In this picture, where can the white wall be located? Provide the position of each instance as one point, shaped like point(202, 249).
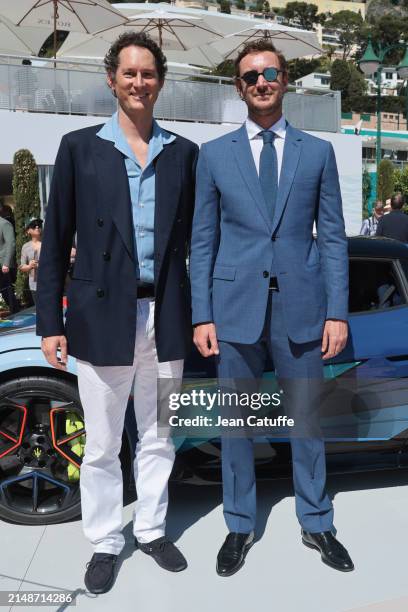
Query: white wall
point(41, 134)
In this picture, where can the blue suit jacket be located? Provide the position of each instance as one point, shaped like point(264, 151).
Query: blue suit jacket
point(234, 240)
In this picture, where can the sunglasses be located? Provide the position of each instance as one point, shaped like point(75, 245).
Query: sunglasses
point(269, 74)
point(35, 226)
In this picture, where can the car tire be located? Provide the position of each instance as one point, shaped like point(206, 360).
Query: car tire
point(32, 411)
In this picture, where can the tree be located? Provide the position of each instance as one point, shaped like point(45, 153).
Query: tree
point(385, 180)
point(240, 4)
point(385, 30)
point(300, 67)
point(340, 76)
point(258, 7)
point(401, 181)
point(27, 205)
point(225, 6)
point(303, 13)
point(347, 24)
point(356, 89)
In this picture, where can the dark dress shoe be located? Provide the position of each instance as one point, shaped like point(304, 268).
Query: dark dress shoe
point(100, 573)
point(233, 552)
point(165, 553)
point(332, 552)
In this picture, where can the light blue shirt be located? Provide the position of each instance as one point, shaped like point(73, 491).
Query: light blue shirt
point(142, 190)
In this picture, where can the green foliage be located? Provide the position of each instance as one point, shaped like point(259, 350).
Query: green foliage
point(340, 76)
point(302, 12)
point(366, 185)
point(240, 4)
point(356, 89)
point(47, 49)
point(27, 205)
point(401, 181)
point(348, 25)
point(385, 30)
point(300, 67)
point(225, 6)
point(385, 180)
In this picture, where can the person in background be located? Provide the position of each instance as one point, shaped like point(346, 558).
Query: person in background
point(369, 227)
point(395, 224)
point(7, 213)
point(30, 253)
point(26, 85)
point(7, 263)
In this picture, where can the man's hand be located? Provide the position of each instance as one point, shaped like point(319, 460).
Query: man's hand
point(5, 269)
point(334, 338)
point(205, 339)
point(33, 264)
point(49, 347)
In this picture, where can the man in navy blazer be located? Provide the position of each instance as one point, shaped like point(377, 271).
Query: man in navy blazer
point(395, 224)
point(262, 284)
point(126, 189)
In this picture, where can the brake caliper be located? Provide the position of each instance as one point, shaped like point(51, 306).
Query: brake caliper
point(73, 424)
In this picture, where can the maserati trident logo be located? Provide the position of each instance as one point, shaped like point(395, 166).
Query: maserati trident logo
point(37, 452)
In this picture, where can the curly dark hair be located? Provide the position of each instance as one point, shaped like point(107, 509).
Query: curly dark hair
point(257, 46)
point(139, 39)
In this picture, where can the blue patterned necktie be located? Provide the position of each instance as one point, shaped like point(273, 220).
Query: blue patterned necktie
point(268, 171)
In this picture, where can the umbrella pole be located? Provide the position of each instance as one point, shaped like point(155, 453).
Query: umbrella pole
point(160, 35)
point(55, 30)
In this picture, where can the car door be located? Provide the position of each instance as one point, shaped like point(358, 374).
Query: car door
point(370, 398)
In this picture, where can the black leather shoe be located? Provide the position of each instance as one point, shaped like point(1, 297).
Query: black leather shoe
point(332, 552)
point(100, 573)
point(233, 552)
point(165, 553)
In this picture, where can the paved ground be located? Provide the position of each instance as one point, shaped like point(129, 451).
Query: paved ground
point(280, 574)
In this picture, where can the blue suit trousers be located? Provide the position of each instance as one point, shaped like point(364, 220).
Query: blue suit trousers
point(246, 361)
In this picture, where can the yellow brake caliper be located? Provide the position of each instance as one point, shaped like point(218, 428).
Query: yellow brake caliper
point(73, 424)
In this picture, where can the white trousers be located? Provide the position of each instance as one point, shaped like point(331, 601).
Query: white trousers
point(104, 393)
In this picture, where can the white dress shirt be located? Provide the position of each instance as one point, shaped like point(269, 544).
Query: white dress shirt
point(256, 141)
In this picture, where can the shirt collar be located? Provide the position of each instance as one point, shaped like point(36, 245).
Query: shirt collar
point(112, 131)
point(253, 129)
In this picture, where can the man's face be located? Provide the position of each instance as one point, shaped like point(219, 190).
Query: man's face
point(379, 211)
point(263, 98)
point(136, 82)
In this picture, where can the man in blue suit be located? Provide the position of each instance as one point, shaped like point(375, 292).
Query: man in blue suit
point(261, 284)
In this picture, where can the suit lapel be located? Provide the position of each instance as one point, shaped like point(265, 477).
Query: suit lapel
point(114, 189)
point(290, 161)
point(167, 188)
point(245, 161)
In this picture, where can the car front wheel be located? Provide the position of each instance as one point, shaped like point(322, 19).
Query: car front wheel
point(42, 442)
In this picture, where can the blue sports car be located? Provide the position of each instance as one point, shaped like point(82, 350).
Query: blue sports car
point(42, 435)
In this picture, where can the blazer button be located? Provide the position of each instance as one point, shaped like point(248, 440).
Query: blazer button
point(100, 222)
point(175, 250)
point(181, 285)
point(106, 256)
point(265, 274)
point(273, 238)
point(100, 293)
point(179, 220)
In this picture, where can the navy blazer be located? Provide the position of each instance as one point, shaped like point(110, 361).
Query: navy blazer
point(234, 241)
point(394, 225)
point(90, 196)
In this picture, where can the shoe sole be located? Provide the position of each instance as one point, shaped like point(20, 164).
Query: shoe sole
point(103, 590)
point(235, 570)
point(332, 565)
point(169, 569)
